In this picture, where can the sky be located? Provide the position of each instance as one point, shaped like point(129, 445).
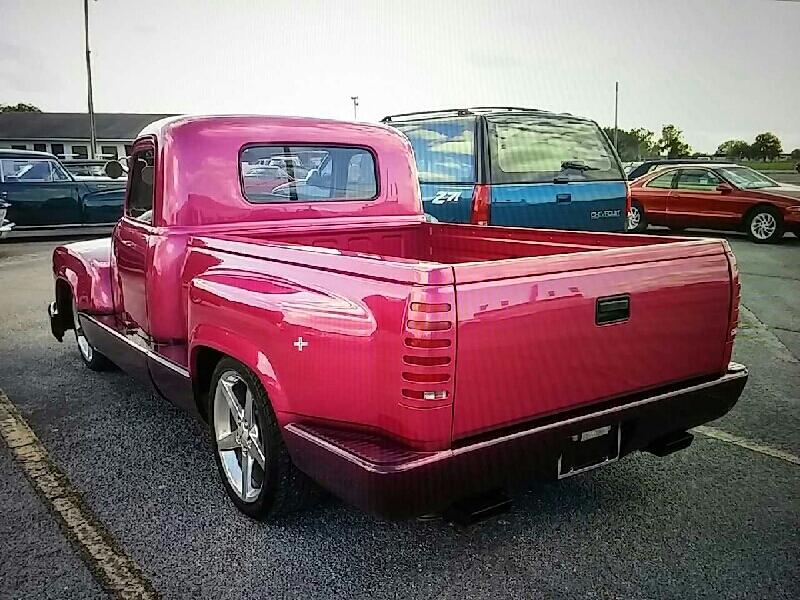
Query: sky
point(718, 69)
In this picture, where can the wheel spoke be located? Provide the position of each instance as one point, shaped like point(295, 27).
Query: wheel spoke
point(230, 398)
point(248, 408)
point(257, 452)
point(228, 442)
point(247, 469)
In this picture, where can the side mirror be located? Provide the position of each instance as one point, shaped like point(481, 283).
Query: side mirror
point(725, 188)
point(113, 169)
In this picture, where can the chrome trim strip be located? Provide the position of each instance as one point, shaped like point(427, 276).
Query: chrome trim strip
point(65, 226)
point(149, 353)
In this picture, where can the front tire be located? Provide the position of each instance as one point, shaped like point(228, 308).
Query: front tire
point(253, 462)
point(89, 354)
point(764, 225)
point(637, 219)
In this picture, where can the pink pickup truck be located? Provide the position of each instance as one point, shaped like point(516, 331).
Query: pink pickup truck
point(328, 333)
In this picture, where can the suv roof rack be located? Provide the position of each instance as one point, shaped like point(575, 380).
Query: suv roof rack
point(464, 112)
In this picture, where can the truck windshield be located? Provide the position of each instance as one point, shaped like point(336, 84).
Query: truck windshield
point(444, 149)
point(530, 148)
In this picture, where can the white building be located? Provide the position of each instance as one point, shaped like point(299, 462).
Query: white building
point(67, 134)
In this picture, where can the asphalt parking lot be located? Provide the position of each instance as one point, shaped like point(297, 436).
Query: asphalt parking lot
point(718, 520)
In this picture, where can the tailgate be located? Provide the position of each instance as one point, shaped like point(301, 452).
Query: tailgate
point(530, 345)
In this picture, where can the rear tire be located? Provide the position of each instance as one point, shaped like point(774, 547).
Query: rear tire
point(637, 219)
point(89, 354)
point(251, 456)
point(764, 225)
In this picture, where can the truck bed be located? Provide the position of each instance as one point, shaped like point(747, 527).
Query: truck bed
point(524, 334)
point(454, 244)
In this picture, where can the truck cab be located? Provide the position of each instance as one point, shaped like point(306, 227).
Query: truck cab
point(516, 167)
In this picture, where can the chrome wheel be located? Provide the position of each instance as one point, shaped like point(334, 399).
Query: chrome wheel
point(238, 436)
point(763, 226)
point(634, 218)
point(84, 346)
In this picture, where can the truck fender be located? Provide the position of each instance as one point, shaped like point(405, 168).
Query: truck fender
point(86, 268)
point(222, 341)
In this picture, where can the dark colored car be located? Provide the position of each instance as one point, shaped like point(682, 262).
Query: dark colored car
point(516, 167)
point(42, 195)
point(716, 196)
point(650, 165)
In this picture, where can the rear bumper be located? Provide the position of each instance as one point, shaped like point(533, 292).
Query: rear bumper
point(380, 476)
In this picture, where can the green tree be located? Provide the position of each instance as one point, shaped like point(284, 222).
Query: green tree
point(767, 146)
point(734, 149)
point(672, 142)
point(21, 107)
point(795, 154)
point(634, 144)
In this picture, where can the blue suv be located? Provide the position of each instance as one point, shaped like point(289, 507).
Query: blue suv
point(516, 167)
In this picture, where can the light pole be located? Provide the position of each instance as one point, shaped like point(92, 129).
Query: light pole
point(355, 107)
point(616, 113)
point(92, 131)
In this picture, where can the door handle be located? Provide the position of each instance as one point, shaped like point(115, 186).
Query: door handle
point(612, 309)
point(4, 194)
point(563, 197)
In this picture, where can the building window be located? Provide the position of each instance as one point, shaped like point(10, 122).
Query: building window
point(80, 151)
point(40, 147)
point(57, 149)
point(19, 147)
point(128, 149)
point(109, 152)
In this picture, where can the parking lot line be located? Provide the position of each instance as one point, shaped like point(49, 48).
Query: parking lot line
point(117, 573)
point(736, 440)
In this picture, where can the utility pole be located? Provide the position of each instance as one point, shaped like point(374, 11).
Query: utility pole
point(355, 107)
point(616, 113)
point(92, 130)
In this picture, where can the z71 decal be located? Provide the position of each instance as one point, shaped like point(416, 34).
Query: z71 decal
point(442, 197)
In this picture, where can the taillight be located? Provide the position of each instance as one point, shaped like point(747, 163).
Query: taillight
point(480, 205)
point(428, 370)
point(736, 297)
point(627, 198)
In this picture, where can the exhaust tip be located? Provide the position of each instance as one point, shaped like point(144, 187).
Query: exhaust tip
point(477, 509)
point(671, 444)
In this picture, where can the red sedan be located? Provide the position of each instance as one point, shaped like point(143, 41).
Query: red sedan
point(715, 196)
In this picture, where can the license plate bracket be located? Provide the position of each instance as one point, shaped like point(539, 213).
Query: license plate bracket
point(590, 449)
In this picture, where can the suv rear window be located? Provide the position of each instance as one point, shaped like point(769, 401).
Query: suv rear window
point(444, 149)
point(307, 173)
point(532, 148)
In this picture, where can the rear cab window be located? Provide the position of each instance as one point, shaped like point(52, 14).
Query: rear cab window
point(444, 149)
point(300, 173)
point(530, 148)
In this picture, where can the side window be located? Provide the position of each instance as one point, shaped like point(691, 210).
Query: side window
point(307, 173)
point(701, 180)
point(140, 195)
point(662, 181)
point(23, 170)
point(444, 149)
point(58, 172)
